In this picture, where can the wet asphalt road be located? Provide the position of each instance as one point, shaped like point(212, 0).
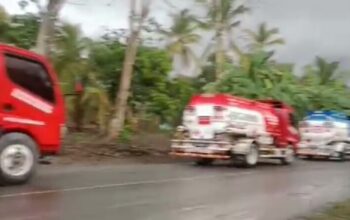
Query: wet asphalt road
point(176, 192)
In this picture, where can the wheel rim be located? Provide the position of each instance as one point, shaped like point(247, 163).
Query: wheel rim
point(252, 157)
point(289, 155)
point(16, 160)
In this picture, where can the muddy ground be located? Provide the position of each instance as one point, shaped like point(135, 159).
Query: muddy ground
point(90, 148)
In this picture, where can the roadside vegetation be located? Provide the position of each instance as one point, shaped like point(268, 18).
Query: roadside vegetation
point(340, 211)
point(130, 82)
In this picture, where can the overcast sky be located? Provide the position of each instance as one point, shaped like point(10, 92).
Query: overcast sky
point(310, 27)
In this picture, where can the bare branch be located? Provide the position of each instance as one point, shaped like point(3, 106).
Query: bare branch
point(132, 14)
point(40, 8)
point(171, 5)
point(145, 9)
point(75, 3)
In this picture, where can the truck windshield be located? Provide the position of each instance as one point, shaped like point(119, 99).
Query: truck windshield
point(239, 116)
point(316, 118)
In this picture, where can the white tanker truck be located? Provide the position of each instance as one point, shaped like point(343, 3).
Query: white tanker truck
point(325, 134)
point(224, 127)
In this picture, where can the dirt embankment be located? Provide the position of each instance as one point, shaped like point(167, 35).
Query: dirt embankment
point(90, 148)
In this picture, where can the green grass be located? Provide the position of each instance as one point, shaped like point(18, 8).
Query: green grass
point(339, 211)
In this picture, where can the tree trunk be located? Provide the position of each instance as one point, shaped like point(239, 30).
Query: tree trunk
point(219, 53)
point(78, 113)
point(118, 121)
point(47, 27)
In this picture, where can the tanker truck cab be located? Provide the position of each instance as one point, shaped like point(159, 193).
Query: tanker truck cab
point(204, 117)
point(31, 113)
point(324, 134)
point(286, 124)
point(224, 127)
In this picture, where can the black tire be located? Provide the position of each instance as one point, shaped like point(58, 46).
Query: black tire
point(26, 143)
point(238, 160)
point(310, 157)
point(204, 162)
point(254, 149)
point(287, 160)
point(342, 157)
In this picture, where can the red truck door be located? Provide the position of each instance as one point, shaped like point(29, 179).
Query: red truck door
point(289, 133)
point(293, 132)
point(30, 99)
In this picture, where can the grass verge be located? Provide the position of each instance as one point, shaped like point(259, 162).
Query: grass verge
point(339, 211)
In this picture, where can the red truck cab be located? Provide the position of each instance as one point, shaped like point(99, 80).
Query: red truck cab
point(288, 124)
point(31, 113)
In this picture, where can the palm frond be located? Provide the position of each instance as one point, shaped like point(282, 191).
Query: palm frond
point(264, 37)
point(325, 70)
point(241, 9)
point(279, 41)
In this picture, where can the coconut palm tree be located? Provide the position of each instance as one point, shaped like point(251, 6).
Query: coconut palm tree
point(325, 70)
point(49, 16)
point(181, 36)
point(3, 14)
point(137, 19)
point(222, 17)
point(73, 69)
point(4, 24)
point(69, 47)
point(264, 37)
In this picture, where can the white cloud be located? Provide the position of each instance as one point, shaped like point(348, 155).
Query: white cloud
point(310, 27)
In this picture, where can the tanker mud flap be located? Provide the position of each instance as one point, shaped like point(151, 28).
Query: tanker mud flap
point(245, 152)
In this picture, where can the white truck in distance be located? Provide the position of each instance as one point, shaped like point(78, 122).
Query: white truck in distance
point(325, 134)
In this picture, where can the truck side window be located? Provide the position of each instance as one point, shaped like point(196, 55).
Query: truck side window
point(293, 120)
point(31, 76)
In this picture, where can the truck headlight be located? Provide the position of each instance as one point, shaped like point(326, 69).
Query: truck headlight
point(181, 133)
point(180, 128)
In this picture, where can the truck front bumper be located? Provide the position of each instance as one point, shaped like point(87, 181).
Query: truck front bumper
point(321, 151)
point(200, 149)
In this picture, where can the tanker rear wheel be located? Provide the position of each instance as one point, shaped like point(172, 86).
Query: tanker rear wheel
point(289, 156)
point(341, 157)
point(247, 160)
point(204, 162)
point(252, 158)
point(310, 157)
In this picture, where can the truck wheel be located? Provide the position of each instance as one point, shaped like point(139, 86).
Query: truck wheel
point(251, 159)
point(204, 162)
point(310, 157)
point(18, 158)
point(289, 157)
point(341, 157)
